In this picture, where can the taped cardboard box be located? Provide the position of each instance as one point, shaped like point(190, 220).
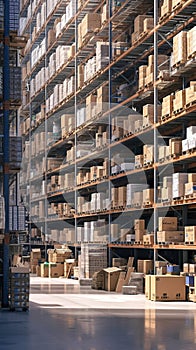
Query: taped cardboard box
point(168, 223)
point(111, 276)
point(168, 288)
point(190, 234)
point(170, 236)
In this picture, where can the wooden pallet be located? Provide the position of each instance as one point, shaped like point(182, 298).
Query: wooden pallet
point(192, 55)
point(174, 156)
point(190, 243)
point(162, 18)
point(138, 242)
point(148, 165)
point(146, 126)
point(190, 197)
point(179, 4)
point(147, 204)
point(137, 205)
point(166, 202)
point(165, 117)
point(178, 200)
point(138, 166)
point(190, 104)
point(178, 111)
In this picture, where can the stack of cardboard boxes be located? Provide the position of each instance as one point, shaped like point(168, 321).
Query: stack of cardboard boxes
point(168, 230)
point(142, 24)
point(35, 259)
point(189, 144)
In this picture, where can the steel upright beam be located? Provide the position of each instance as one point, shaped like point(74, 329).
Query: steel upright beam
point(6, 98)
point(156, 3)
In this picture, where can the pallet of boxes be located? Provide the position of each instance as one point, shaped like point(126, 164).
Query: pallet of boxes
point(120, 278)
point(19, 285)
point(189, 271)
point(59, 263)
point(35, 260)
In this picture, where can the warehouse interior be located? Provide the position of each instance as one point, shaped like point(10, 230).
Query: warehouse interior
point(97, 157)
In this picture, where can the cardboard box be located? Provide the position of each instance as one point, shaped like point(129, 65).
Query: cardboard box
point(111, 276)
point(179, 180)
point(56, 270)
point(44, 270)
point(148, 196)
point(148, 286)
point(89, 23)
point(122, 196)
point(192, 177)
point(168, 288)
point(170, 236)
point(139, 235)
point(168, 223)
point(148, 239)
point(117, 262)
point(139, 161)
point(190, 188)
point(175, 146)
point(190, 234)
point(192, 268)
point(139, 224)
point(186, 267)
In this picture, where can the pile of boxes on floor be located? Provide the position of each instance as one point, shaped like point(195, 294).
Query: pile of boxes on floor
point(169, 284)
point(59, 262)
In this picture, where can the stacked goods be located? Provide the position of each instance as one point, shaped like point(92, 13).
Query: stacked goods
point(136, 279)
point(98, 280)
point(114, 232)
point(190, 142)
point(44, 269)
point(55, 270)
point(142, 77)
point(175, 146)
point(35, 259)
point(148, 239)
point(148, 197)
point(89, 24)
point(178, 182)
point(191, 44)
point(131, 189)
point(179, 101)
point(102, 99)
point(190, 234)
point(142, 23)
point(139, 228)
point(119, 196)
point(111, 276)
point(118, 127)
point(163, 65)
point(190, 186)
point(179, 49)
point(189, 268)
point(148, 154)
point(59, 255)
point(93, 259)
point(90, 104)
point(163, 153)
point(166, 190)
point(118, 262)
point(166, 8)
point(167, 106)
point(165, 288)
point(69, 265)
point(173, 270)
point(190, 94)
point(145, 266)
point(19, 288)
point(161, 267)
point(168, 232)
point(148, 114)
point(102, 138)
point(139, 161)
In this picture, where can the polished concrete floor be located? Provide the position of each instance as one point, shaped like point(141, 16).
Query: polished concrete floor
point(64, 316)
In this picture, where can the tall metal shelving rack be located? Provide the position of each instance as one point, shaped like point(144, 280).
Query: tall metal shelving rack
point(122, 67)
point(10, 44)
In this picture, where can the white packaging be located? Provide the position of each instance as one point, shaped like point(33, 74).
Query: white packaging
point(178, 184)
point(127, 166)
point(132, 188)
point(185, 145)
point(190, 131)
point(192, 142)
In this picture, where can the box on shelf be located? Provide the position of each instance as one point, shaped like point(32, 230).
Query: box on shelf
point(175, 146)
point(170, 236)
point(167, 106)
point(179, 180)
point(179, 48)
point(145, 266)
point(190, 188)
point(139, 159)
point(148, 239)
point(168, 223)
point(148, 196)
point(166, 8)
point(191, 45)
point(190, 234)
point(148, 153)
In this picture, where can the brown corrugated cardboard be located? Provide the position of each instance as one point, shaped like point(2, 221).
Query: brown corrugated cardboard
point(168, 223)
point(111, 278)
point(168, 288)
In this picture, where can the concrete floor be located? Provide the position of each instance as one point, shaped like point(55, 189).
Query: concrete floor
point(64, 316)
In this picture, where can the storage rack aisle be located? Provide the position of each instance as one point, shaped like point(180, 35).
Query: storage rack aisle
point(109, 133)
point(12, 223)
